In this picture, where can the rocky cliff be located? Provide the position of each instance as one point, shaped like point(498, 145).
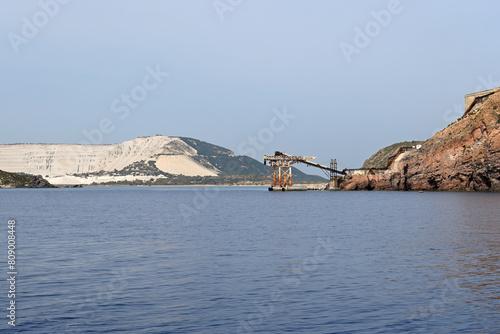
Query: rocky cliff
point(465, 156)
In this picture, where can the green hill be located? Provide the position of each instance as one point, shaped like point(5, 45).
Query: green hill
point(14, 180)
point(379, 159)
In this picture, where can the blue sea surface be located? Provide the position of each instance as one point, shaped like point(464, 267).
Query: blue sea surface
point(245, 260)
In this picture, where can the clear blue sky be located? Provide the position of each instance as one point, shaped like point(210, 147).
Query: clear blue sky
point(356, 75)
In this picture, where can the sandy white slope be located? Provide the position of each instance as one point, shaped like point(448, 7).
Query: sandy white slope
point(182, 164)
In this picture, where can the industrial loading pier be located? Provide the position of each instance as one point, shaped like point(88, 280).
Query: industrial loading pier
point(282, 174)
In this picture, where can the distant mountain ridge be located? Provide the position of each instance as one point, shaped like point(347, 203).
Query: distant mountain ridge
point(150, 160)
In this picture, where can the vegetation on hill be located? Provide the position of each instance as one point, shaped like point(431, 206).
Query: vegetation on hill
point(205, 148)
point(379, 159)
point(15, 180)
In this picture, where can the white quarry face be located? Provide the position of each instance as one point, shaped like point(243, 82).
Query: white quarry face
point(59, 162)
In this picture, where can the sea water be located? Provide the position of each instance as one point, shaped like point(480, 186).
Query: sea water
point(245, 260)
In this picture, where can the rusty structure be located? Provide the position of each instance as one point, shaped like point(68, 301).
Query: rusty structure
point(282, 165)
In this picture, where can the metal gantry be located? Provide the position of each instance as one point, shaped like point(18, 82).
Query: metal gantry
point(282, 165)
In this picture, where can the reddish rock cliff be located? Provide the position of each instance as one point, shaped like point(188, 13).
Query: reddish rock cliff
point(463, 157)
